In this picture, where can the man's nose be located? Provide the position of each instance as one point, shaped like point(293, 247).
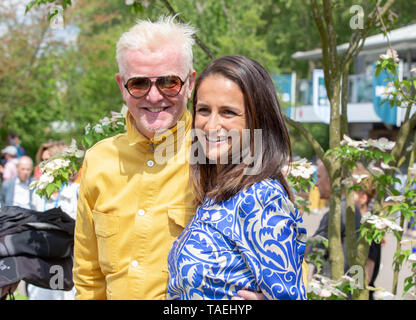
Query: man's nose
point(154, 94)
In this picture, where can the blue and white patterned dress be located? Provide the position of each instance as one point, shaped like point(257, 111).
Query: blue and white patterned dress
point(253, 241)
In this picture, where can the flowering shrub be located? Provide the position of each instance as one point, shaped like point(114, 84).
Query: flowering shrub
point(59, 168)
point(300, 175)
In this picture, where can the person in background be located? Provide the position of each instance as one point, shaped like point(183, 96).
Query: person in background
point(42, 154)
point(14, 140)
point(363, 202)
point(246, 233)
point(16, 192)
point(10, 167)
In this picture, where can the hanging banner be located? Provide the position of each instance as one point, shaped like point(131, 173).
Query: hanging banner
point(321, 106)
point(283, 85)
point(381, 91)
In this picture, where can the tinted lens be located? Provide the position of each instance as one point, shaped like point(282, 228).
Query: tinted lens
point(138, 87)
point(170, 85)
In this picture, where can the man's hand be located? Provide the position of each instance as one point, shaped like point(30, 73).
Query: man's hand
point(248, 295)
point(12, 287)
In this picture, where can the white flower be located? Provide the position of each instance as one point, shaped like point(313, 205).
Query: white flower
point(87, 128)
point(33, 184)
point(353, 143)
point(73, 150)
point(105, 121)
point(116, 115)
point(324, 287)
point(365, 217)
point(381, 223)
point(412, 242)
point(383, 295)
point(412, 258)
point(302, 168)
point(129, 2)
point(412, 170)
point(386, 166)
point(389, 89)
point(391, 53)
point(44, 180)
point(383, 144)
point(395, 198)
point(98, 129)
point(57, 163)
point(359, 177)
point(123, 110)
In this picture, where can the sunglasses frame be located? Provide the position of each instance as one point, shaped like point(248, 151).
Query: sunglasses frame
point(154, 82)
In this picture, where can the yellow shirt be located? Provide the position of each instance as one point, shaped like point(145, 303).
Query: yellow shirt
point(134, 201)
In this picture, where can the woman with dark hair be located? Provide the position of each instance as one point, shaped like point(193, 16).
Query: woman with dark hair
point(246, 232)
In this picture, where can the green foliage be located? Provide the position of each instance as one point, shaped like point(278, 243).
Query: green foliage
point(301, 147)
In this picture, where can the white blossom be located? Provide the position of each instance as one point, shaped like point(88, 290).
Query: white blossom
point(302, 168)
point(87, 128)
point(395, 198)
point(383, 144)
point(129, 2)
point(72, 151)
point(98, 129)
point(412, 170)
point(105, 121)
point(411, 242)
point(383, 295)
point(359, 177)
point(412, 258)
point(385, 166)
point(44, 180)
point(324, 287)
point(391, 53)
point(353, 143)
point(380, 223)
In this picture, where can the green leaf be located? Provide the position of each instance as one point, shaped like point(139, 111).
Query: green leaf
point(50, 189)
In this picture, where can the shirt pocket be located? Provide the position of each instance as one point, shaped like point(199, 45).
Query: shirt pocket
point(179, 217)
point(106, 229)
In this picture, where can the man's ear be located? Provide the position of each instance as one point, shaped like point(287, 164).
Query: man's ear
point(191, 83)
point(120, 84)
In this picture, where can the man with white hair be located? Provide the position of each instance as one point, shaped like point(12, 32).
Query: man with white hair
point(131, 205)
point(16, 192)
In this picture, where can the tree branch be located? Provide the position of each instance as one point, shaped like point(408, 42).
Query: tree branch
point(357, 39)
point(197, 40)
point(308, 136)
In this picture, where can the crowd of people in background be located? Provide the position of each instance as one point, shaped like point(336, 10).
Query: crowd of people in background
point(16, 176)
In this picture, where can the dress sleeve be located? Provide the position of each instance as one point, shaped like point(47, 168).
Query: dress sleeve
point(272, 243)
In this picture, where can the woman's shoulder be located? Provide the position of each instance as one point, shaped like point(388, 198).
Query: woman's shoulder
point(269, 195)
point(268, 187)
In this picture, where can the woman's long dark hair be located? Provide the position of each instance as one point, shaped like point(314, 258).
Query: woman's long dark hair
point(263, 112)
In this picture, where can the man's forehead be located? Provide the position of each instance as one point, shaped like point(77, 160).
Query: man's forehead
point(166, 60)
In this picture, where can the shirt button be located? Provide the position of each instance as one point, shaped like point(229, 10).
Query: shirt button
point(141, 212)
point(150, 163)
point(134, 264)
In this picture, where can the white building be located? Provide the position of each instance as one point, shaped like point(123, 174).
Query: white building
point(364, 120)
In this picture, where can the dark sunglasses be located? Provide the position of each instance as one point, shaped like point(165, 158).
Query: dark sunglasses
point(169, 86)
